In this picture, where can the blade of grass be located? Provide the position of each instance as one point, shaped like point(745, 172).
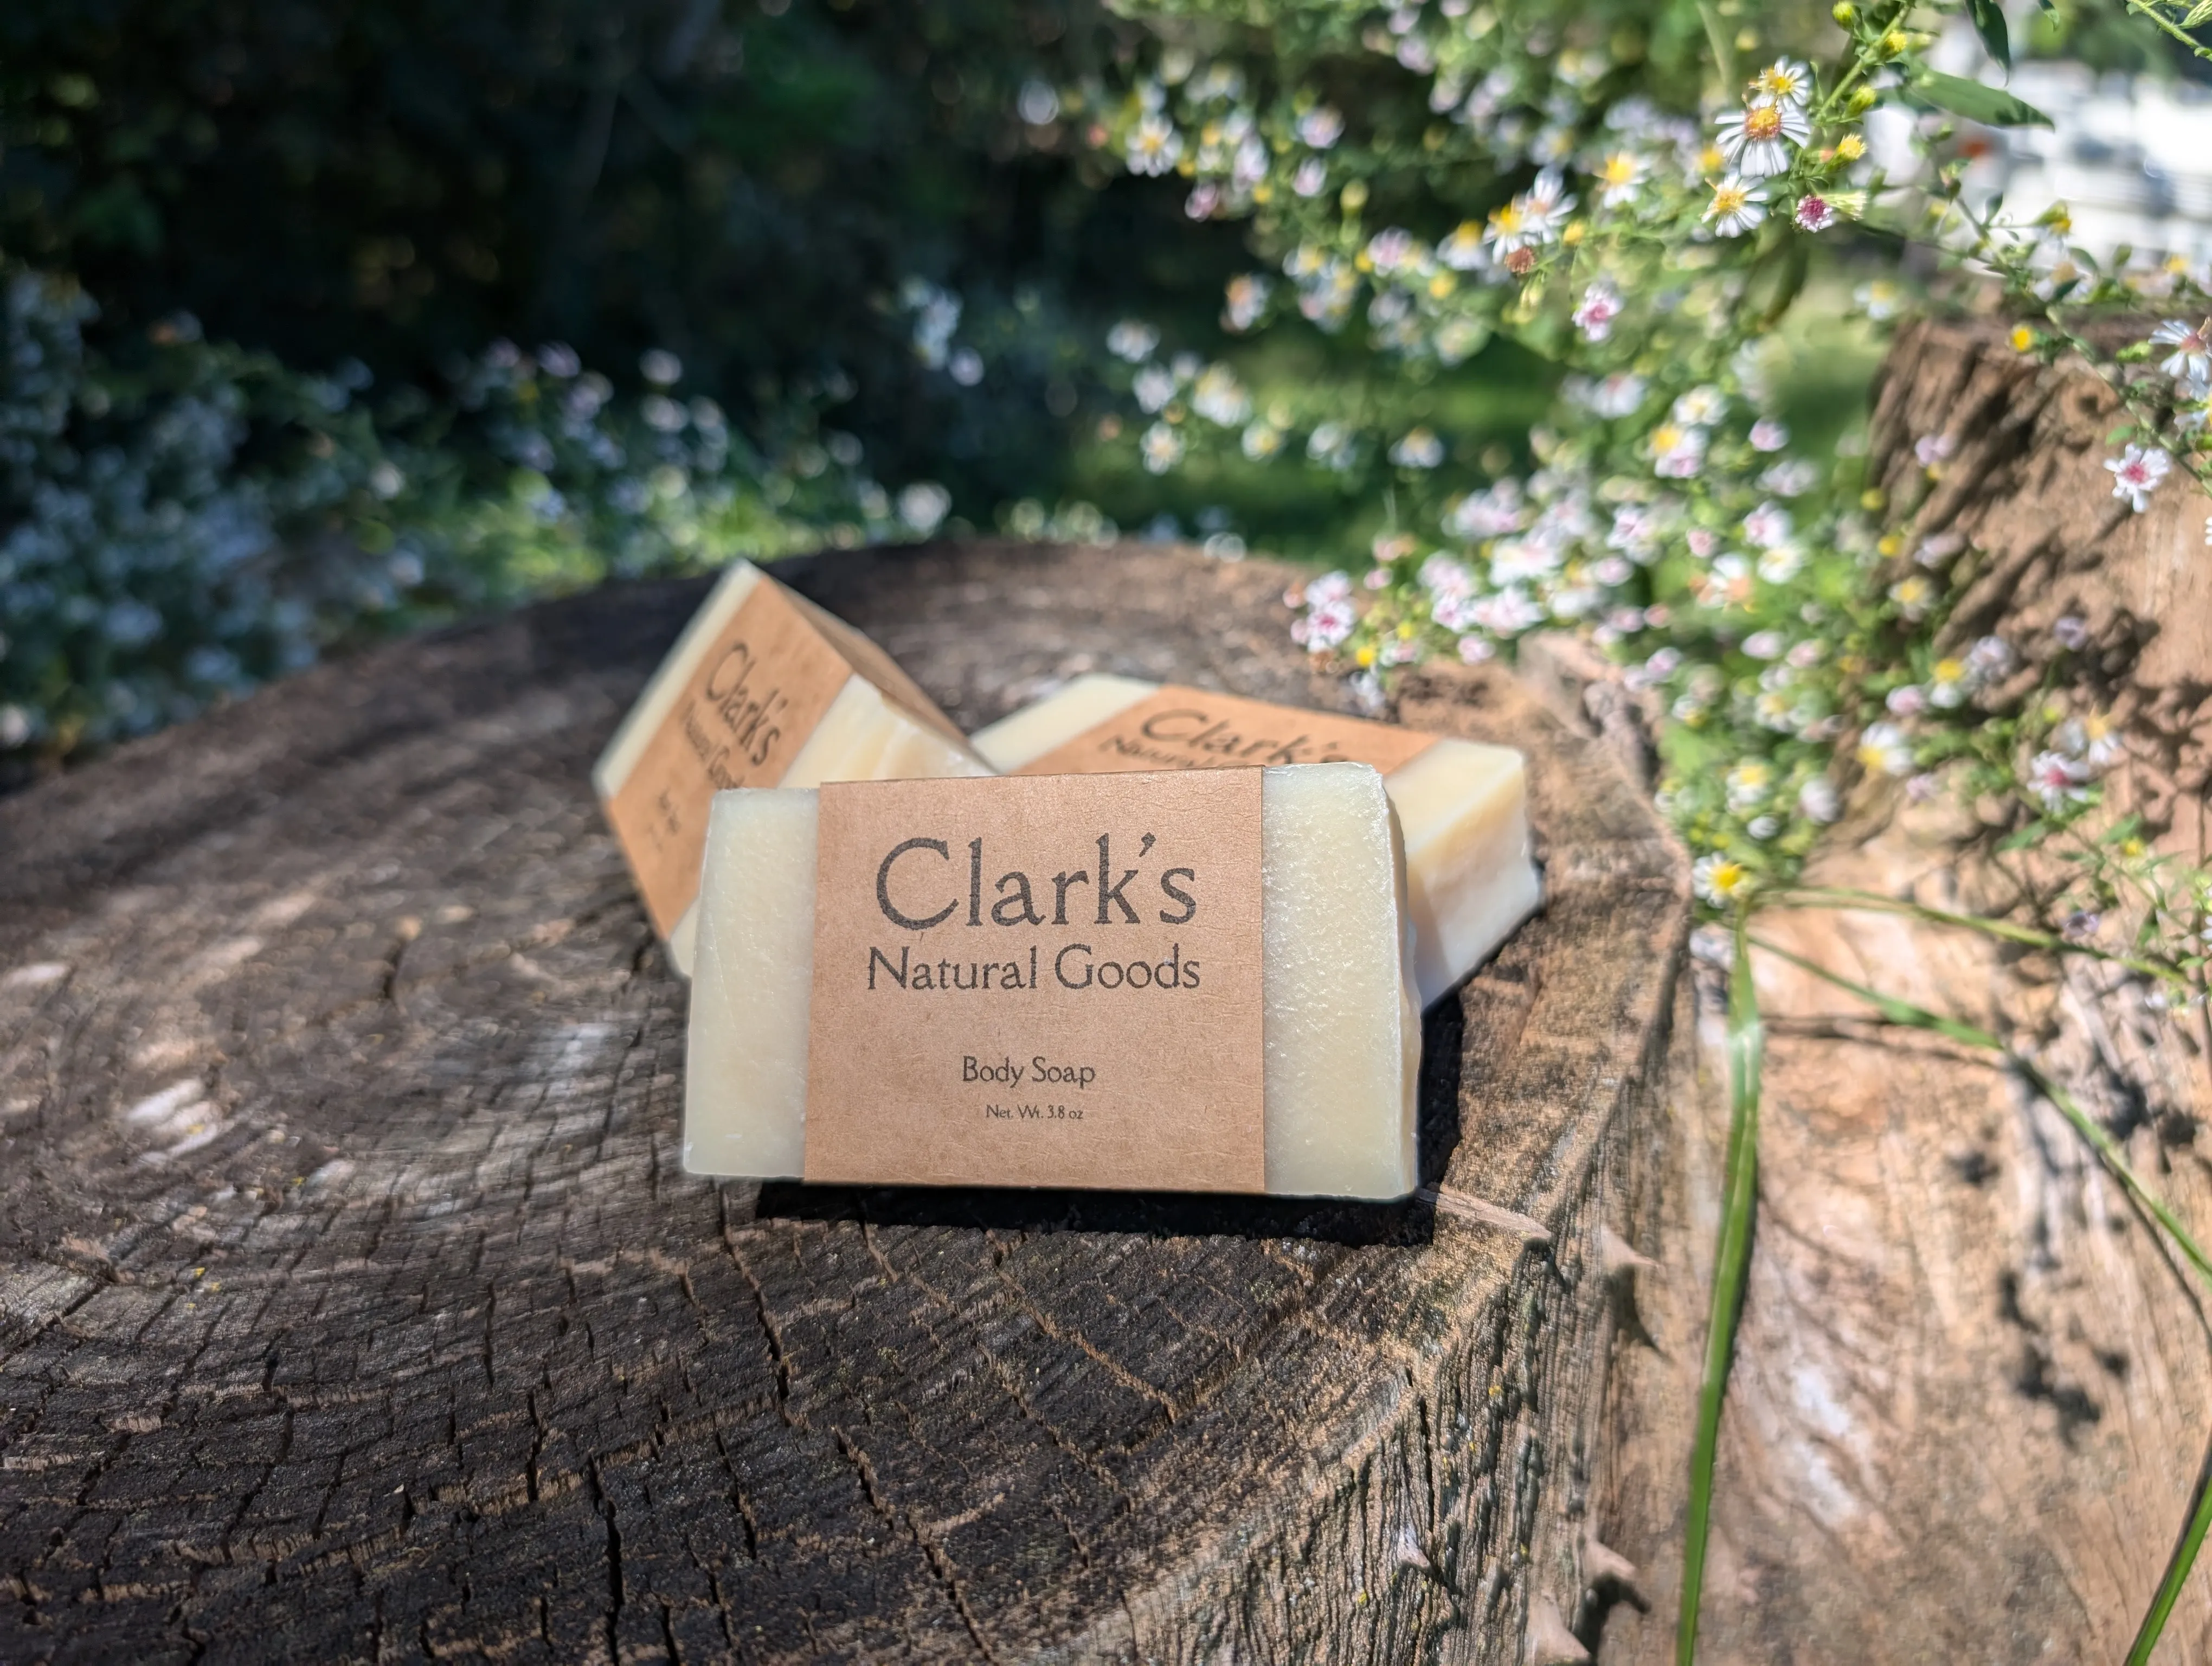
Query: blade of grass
point(1874, 903)
point(1731, 1261)
point(1903, 1012)
point(2177, 1575)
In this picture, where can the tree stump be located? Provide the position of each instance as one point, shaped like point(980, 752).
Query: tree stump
point(353, 1305)
point(1970, 1401)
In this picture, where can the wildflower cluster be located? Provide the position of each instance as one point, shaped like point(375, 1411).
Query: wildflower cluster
point(1648, 234)
point(188, 520)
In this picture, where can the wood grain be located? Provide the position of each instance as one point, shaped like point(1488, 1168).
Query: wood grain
point(353, 1305)
point(1973, 1394)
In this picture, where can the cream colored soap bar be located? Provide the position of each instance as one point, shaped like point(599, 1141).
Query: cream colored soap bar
point(849, 713)
point(1463, 808)
point(1341, 1027)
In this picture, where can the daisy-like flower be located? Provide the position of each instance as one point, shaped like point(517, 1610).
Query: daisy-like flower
point(2136, 473)
point(1320, 127)
point(1678, 451)
point(1768, 526)
point(1262, 440)
point(1420, 449)
point(1782, 563)
point(2090, 738)
point(1885, 749)
point(1154, 145)
point(1702, 406)
point(1913, 595)
point(1738, 205)
point(1154, 386)
point(1720, 879)
point(2056, 779)
point(1948, 684)
point(2192, 358)
point(1748, 785)
point(1247, 298)
point(1619, 176)
point(1767, 435)
point(1161, 448)
point(1784, 81)
point(1815, 213)
point(1462, 249)
point(1817, 800)
point(1600, 305)
point(1533, 218)
point(1756, 143)
point(1219, 397)
point(1311, 178)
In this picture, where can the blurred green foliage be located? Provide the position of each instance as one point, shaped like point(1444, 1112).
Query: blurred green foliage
point(746, 184)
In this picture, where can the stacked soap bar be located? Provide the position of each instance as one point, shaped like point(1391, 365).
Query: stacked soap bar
point(763, 689)
point(1340, 1023)
point(1463, 805)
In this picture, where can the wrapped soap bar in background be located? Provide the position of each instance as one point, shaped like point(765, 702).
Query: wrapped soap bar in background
point(763, 689)
point(1159, 981)
point(1463, 807)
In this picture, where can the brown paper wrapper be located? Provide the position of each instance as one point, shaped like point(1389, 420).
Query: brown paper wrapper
point(1049, 981)
point(1180, 728)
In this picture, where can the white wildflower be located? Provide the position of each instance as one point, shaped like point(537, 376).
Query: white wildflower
point(1756, 143)
point(2136, 473)
point(1154, 145)
point(2192, 358)
point(1738, 205)
point(1885, 749)
point(1785, 82)
point(1600, 305)
point(1161, 449)
point(1720, 880)
point(2055, 779)
point(1320, 127)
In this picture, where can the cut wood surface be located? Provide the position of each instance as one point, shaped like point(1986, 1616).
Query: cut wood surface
point(354, 1305)
point(1973, 1394)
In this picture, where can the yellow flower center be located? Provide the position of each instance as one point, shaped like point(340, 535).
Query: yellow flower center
point(1850, 147)
point(1949, 671)
point(1729, 199)
point(1619, 169)
point(1762, 122)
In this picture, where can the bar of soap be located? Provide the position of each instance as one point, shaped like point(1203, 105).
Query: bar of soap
point(1340, 1024)
point(810, 699)
point(1463, 807)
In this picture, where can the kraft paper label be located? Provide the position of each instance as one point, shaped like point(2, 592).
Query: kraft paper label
point(1180, 728)
point(1039, 982)
point(760, 689)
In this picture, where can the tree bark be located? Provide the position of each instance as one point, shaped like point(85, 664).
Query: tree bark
point(1971, 1398)
point(354, 1305)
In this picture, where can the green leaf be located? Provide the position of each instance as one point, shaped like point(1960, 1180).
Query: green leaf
point(1747, 1048)
point(1990, 24)
point(1976, 102)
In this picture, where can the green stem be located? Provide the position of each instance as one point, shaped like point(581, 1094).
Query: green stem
point(2177, 1574)
point(1818, 896)
point(1905, 1013)
point(1731, 1263)
point(2108, 1152)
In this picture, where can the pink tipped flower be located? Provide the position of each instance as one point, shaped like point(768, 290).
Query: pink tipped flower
point(1815, 213)
point(2136, 473)
point(1600, 305)
point(2192, 358)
